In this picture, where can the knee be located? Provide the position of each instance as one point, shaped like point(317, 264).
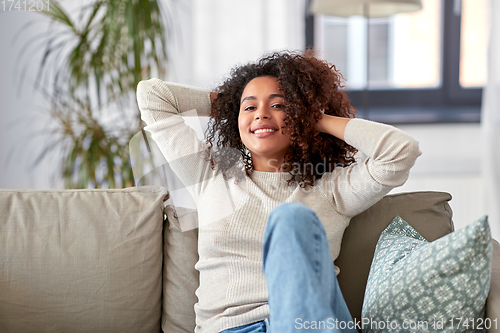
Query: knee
point(290, 223)
point(292, 215)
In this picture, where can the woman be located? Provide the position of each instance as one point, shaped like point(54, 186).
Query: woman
point(275, 184)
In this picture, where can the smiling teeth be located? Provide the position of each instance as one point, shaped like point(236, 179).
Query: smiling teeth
point(263, 130)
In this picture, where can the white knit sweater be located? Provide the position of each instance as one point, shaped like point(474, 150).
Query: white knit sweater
point(232, 217)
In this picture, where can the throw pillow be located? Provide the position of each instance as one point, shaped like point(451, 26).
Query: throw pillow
point(441, 286)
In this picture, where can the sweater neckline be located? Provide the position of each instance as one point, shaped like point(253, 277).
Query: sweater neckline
point(276, 179)
point(265, 175)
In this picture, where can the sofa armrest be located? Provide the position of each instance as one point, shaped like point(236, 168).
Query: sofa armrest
point(493, 302)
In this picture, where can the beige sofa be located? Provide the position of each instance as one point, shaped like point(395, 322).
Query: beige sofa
point(117, 261)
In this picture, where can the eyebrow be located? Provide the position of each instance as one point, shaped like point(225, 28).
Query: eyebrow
point(270, 97)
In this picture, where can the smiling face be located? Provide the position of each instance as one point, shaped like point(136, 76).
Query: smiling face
point(260, 122)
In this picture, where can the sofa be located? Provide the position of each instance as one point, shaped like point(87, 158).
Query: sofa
point(118, 260)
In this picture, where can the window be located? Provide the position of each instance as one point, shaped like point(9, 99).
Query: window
point(473, 44)
point(420, 67)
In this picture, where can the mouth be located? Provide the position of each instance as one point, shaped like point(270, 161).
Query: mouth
point(264, 130)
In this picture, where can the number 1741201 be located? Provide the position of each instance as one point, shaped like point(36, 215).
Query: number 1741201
point(24, 5)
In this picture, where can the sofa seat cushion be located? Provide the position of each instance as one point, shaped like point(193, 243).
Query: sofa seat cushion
point(81, 260)
point(415, 285)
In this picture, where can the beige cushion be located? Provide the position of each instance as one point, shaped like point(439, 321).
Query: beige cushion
point(80, 260)
point(427, 212)
point(180, 278)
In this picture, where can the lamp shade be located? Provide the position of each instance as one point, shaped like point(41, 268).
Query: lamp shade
point(374, 8)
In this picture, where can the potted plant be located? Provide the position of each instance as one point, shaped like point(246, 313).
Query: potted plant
point(89, 72)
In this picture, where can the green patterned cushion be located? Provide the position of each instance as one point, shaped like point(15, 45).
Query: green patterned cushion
point(415, 285)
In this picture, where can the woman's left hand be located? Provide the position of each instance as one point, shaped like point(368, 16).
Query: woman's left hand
point(332, 125)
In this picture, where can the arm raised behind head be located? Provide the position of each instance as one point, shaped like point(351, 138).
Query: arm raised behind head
point(158, 99)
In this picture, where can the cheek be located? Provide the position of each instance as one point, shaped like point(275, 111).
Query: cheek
point(242, 127)
point(240, 124)
point(244, 122)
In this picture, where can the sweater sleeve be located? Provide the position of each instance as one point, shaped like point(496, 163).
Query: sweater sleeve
point(391, 153)
point(158, 100)
point(161, 105)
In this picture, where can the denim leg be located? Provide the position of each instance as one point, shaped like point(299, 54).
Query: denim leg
point(304, 294)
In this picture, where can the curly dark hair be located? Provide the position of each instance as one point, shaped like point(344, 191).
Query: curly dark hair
point(311, 87)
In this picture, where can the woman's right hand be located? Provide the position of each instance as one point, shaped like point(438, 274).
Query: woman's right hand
point(213, 96)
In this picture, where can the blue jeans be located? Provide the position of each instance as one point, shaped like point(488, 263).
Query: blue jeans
point(304, 295)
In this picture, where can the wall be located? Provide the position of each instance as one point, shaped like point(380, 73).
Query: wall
point(25, 125)
point(450, 162)
point(212, 36)
point(23, 121)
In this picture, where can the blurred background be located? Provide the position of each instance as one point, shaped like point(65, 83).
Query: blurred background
point(67, 104)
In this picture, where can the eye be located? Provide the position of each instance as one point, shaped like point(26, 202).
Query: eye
point(249, 108)
point(278, 106)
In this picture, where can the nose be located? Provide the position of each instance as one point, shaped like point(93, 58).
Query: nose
point(262, 113)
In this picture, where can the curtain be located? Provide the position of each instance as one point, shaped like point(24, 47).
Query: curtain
point(490, 124)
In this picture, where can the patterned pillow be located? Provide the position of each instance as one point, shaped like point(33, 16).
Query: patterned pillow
point(441, 286)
